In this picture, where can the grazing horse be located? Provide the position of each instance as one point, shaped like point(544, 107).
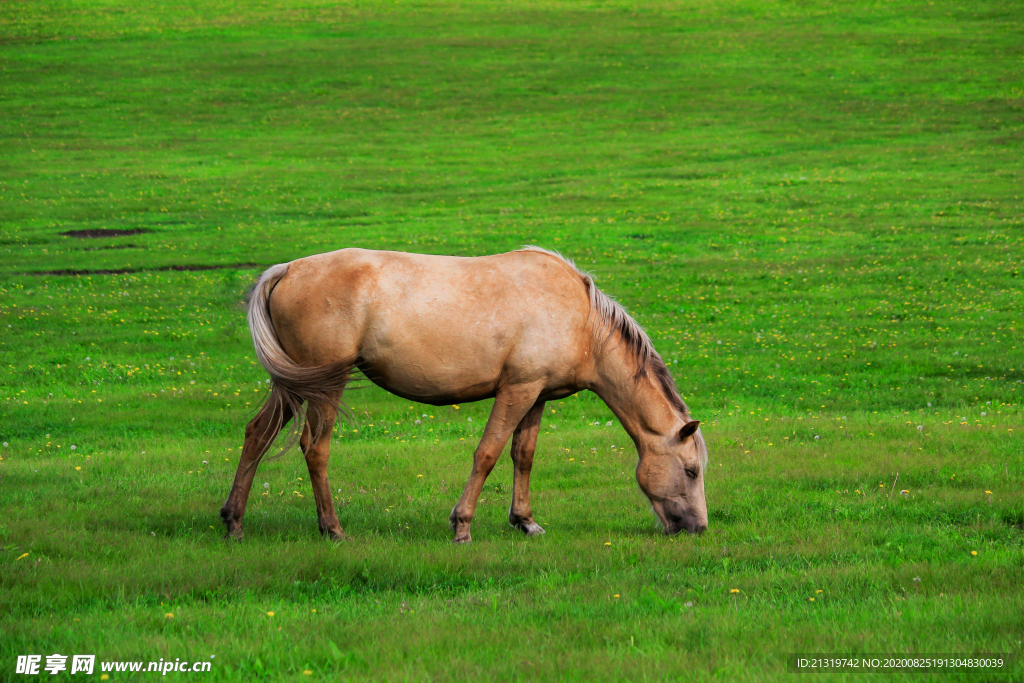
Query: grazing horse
point(523, 327)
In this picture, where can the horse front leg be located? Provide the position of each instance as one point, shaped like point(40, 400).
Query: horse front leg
point(259, 435)
point(524, 444)
point(510, 405)
point(317, 453)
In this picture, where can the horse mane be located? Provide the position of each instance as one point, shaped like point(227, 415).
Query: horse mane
point(615, 321)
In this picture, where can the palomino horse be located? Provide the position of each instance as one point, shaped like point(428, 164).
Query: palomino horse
point(523, 327)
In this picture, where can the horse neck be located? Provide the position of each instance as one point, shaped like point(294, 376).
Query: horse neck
point(639, 403)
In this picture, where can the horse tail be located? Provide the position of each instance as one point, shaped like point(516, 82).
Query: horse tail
point(294, 384)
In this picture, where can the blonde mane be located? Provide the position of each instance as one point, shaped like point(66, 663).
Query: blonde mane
point(614, 321)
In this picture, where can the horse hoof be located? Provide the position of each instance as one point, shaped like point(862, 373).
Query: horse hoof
point(532, 529)
point(459, 540)
point(527, 526)
point(337, 536)
point(234, 535)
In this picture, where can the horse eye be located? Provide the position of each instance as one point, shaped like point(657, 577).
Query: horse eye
point(692, 474)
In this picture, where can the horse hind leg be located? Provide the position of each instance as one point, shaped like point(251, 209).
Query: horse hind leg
point(259, 435)
point(320, 420)
point(524, 444)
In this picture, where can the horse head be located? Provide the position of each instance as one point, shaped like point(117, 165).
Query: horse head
point(671, 474)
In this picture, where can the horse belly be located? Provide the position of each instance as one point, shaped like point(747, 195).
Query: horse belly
point(436, 368)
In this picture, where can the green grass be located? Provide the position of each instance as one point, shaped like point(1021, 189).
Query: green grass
point(814, 208)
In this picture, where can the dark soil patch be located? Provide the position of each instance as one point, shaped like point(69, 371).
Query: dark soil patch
point(104, 232)
point(122, 271)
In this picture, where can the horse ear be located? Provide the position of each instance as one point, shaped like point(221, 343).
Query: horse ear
point(688, 429)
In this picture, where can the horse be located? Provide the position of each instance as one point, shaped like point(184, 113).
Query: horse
point(523, 328)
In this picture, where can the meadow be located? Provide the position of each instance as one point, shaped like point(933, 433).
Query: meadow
point(814, 208)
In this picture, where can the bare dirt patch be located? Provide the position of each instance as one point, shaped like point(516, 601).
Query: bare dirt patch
point(94, 233)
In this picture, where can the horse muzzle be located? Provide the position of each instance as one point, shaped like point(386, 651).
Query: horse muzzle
point(674, 518)
point(688, 524)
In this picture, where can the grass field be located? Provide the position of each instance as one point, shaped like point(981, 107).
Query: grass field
point(815, 208)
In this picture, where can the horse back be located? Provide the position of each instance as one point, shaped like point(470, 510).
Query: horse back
point(437, 328)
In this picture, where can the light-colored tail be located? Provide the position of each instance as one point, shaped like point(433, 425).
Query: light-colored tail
point(318, 387)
